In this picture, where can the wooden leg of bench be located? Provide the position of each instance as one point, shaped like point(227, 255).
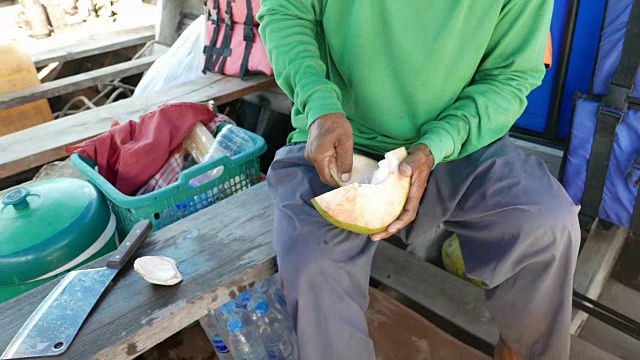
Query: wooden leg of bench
point(167, 29)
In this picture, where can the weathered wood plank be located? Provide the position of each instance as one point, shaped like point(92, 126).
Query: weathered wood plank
point(595, 262)
point(398, 333)
point(76, 82)
point(448, 301)
point(44, 143)
point(167, 31)
point(231, 252)
point(452, 302)
point(191, 8)
point(65, 48)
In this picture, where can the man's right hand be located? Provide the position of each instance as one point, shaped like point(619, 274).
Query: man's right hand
point(330, 147)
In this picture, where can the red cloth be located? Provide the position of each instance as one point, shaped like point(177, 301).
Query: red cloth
point(128, 155)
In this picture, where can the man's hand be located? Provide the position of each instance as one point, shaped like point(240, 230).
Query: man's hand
point(330, 147)
point(418, 166)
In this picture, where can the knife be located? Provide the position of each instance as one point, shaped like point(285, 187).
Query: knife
point(54, 324)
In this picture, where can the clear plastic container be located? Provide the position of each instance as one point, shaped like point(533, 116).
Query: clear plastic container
point(264, 320)
point(198, 143)
point(245, 342)
point(230, 141)
point(209, 324)
point(276, 333)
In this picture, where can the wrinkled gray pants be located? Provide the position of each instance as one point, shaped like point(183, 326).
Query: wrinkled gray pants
point(518, 232)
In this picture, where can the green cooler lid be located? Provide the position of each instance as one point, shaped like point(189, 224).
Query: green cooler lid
point(45, 225)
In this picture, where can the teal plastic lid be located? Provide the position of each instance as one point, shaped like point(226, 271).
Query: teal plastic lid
point(44, 225)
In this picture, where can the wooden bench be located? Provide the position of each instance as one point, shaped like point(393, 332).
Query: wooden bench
point(69, 47)
point(44, 143)
point(86, 40)
point(39, 145)
point(77, 82)
point(233, 252)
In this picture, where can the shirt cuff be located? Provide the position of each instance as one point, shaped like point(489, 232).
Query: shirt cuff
point(439, 141)
point(322, 102)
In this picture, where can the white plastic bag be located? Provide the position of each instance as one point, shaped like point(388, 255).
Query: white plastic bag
point(182, 62)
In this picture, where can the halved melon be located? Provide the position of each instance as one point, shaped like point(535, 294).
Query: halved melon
point(368, 208)
point(361, 171)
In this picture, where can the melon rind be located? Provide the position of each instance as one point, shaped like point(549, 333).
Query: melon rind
point(340, 224)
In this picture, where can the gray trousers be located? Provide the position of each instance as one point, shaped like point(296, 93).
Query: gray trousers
point(518, 232)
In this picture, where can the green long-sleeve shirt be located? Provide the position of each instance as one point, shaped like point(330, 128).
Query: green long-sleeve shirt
point(452, 74)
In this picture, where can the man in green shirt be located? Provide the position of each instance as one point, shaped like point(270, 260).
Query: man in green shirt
point(446, 79)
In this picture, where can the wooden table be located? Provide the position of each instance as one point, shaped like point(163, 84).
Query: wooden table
point(231, 253)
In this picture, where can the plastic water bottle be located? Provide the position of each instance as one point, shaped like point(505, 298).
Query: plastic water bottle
point(242, 301)
point(279, 299)
point(275, 332)
point(231, 141)
point(244, 343)
point(209, 324)
point(221, 348)
point(271, 289)
point(262, 288)
point(225, 312)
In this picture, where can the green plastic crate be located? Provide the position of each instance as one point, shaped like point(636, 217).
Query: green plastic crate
point(177, 201)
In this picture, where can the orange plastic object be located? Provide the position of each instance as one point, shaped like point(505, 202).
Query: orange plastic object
point(17, 72)
point(548, 55)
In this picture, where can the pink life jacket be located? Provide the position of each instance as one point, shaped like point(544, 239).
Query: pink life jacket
point(235, 46)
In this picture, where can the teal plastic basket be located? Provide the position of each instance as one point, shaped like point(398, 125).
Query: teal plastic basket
point(179, 200)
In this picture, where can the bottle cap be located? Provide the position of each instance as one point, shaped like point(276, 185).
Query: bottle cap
point(228, 307)
point(261, 307)
point(235, 326)
point(244, 298)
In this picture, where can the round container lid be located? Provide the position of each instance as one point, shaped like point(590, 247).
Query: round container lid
point(46, 224)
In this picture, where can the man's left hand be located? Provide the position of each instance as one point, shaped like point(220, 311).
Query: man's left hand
point(418, 167)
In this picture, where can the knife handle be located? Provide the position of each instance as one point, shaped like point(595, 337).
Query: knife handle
point(129, 245)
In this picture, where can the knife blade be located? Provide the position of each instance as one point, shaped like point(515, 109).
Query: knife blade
point(54, 324)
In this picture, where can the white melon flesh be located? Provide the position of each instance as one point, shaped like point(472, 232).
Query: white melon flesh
point(361, 171)
point(368, 208)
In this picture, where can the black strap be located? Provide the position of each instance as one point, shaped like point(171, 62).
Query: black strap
point(215, 19)
point(612, 111)
point(248, 39)
point(597, 168)
point(224, 51)
point(625, 75)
